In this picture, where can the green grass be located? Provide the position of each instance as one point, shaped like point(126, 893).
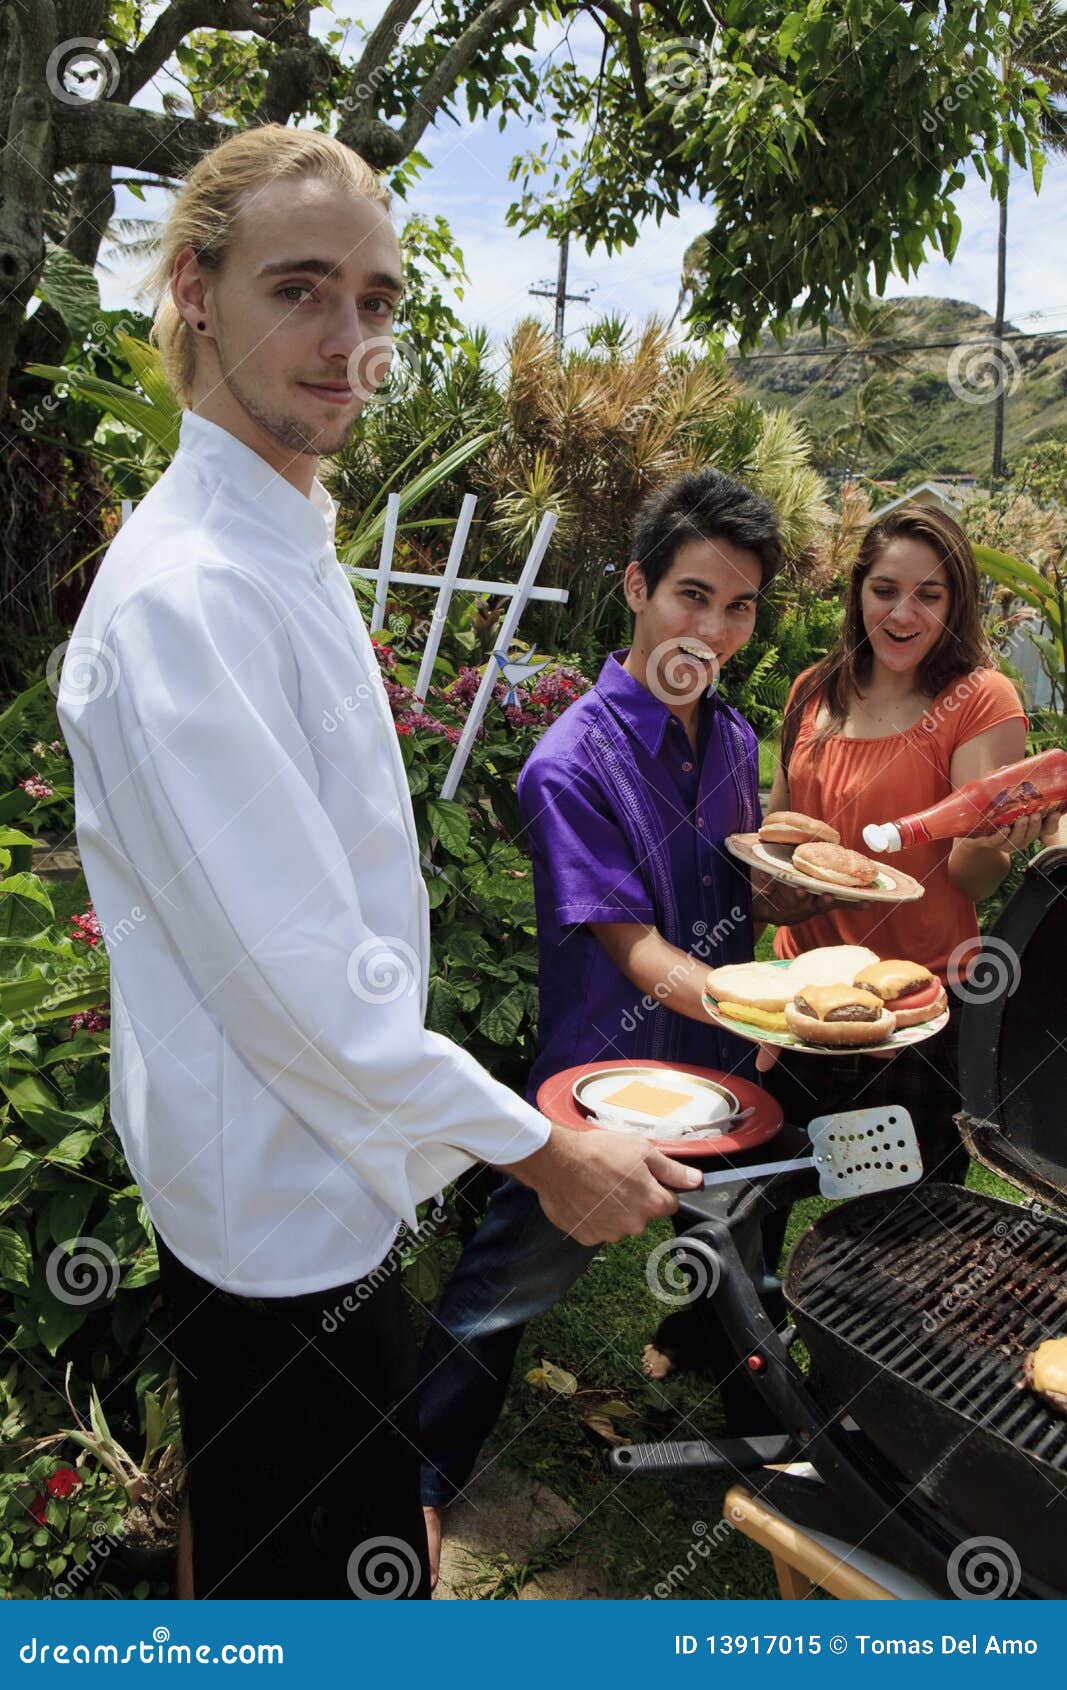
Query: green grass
point(768, 762)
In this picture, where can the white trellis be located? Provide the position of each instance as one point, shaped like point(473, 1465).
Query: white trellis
point(519, 593)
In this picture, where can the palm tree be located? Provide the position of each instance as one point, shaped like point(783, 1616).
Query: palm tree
point(1041, 52)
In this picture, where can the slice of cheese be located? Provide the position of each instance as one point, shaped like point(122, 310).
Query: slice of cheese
point(649, 1100)
point(823, 999)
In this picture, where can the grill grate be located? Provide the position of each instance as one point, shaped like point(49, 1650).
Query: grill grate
point(948, 1290)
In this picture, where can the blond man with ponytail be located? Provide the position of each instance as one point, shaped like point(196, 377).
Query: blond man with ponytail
point(239, 791)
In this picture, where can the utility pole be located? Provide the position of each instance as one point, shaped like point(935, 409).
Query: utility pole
point(559, 293)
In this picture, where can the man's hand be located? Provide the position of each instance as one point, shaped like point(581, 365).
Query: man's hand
point(778, 902)
point(602, 1186)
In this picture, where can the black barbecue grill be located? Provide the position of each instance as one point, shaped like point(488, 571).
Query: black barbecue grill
point(918, 1305)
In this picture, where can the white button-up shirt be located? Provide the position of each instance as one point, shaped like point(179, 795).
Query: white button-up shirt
point(247, 837)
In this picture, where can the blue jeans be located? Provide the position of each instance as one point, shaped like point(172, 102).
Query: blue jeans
point(516, 1266)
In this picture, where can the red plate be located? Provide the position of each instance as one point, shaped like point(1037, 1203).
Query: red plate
point(555, 1099)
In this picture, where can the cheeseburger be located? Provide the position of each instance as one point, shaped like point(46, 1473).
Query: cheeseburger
point(839, 1015)
point(908, 989)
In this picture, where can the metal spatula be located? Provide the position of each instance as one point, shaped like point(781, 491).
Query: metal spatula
point(857, 1152)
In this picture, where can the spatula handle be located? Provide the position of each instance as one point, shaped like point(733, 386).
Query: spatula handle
point(765, 1170)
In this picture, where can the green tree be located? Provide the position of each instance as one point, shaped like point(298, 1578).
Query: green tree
point(804, 125)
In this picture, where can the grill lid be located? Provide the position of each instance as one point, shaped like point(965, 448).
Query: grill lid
point(1013, 1037)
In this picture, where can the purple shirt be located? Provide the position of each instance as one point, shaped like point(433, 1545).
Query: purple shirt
point(626, 823)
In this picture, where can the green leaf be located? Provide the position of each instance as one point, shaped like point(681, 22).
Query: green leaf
point(56, 1322)
point(14, 1257)
point(145, 1270)
point(67, 1213)
point(451, 824)
point(443, 1014)
point(31, 900)
point(501, 1023)
point(71, 288)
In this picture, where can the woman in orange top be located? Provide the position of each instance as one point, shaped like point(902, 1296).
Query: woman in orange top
point(907, 707)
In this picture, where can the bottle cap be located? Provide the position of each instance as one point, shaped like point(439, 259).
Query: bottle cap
point(881, 837)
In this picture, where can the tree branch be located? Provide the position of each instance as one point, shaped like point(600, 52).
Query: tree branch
point(107, 133)
point(443, 79)
point(180, 19)
point(294, 76)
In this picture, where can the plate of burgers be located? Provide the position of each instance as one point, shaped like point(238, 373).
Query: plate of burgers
point(806, 852)
point(833, 998)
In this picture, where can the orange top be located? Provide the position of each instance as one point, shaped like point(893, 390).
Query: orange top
point(851, 782)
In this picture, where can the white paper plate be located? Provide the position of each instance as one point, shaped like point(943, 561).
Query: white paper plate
point(706, 1102)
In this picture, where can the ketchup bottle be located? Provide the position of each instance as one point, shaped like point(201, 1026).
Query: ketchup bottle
point(1033, 787)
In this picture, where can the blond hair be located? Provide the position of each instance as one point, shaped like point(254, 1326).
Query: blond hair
point(204, 213)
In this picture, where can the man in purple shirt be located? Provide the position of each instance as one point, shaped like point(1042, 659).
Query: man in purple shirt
point(626, 802)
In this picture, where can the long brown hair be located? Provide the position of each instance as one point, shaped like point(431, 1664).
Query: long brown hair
point(846, 670)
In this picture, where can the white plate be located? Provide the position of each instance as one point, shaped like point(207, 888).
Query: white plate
point(789, 1041)
point(706, 1102)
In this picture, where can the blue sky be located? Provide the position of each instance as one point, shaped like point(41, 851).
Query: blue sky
point(468, 184)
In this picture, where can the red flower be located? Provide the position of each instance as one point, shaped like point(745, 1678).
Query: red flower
point(64, 1482)
point(87, 927)
point(403, 728)
point(37, 1508)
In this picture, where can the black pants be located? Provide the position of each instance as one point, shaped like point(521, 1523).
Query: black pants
point(298, 1426)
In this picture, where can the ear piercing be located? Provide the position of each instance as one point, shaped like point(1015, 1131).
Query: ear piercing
point(201, 325)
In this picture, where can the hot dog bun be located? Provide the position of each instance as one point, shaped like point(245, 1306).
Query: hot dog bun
point(791, 827)
point(835, 864)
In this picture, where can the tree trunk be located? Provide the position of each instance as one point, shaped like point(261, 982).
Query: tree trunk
point(25, 170)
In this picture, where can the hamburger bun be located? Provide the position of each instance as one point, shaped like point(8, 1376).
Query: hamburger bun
point(907, 988)
point(790, 827)
point(1045, 1372)
point(769, 987)
point(844, 1016)
point(835, 864)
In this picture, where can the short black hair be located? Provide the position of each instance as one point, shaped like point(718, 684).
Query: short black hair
point(705, 505)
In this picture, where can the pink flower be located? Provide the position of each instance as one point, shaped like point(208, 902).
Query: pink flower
point(36, 787)
point(90, 1020)
point(87, 927)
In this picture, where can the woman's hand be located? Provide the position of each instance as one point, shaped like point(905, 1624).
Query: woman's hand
point(1021, 833)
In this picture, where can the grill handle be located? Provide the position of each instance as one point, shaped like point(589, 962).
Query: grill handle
point(724, 1455)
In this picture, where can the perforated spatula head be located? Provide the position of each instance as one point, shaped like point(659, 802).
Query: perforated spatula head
point(865, 1150)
